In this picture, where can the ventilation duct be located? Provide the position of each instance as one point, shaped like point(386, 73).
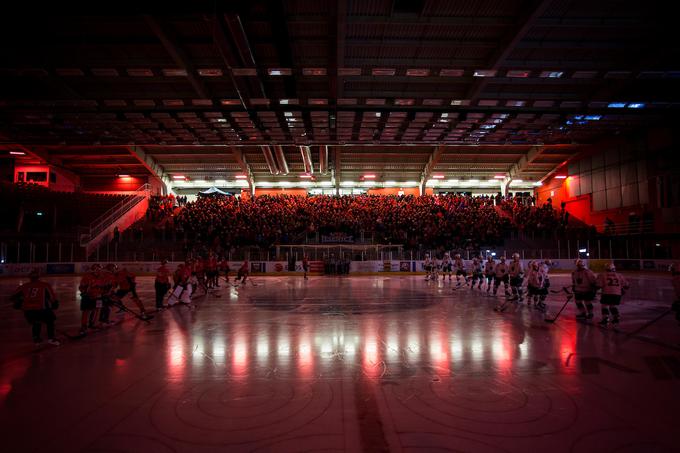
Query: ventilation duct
point(307, 159)
point(281, 159)
point(269, 158)
point(323, 159)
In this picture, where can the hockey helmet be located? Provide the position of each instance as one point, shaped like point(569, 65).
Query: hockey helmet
point(609, 267)
point(503, 259)
point(96, 267)
point(457, 256)
point(111, 267)
point(580, 264)
point(515, 256)
point(534, 265)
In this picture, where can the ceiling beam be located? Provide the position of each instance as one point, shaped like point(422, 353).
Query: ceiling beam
point(150, 164)
point(429, 166)
point(220, 37)
point(525, 21)
point(337, 158)
point(177, 54)
point(245, 167)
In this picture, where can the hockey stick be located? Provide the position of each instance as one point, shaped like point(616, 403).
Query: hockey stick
point(648, 323)
point(569, 297)
point(557, 291)
point(121, 306)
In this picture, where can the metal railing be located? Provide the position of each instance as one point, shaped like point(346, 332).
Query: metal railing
point(109, 217)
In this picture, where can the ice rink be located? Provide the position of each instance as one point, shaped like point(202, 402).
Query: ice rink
point(345, 364)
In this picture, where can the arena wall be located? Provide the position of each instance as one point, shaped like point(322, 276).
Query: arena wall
point(316, 267)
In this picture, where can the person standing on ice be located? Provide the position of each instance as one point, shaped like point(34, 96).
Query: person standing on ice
point(501, 276)
point(489, 272)
point(613, 286)
point(459, 268)
point(477, 275)
point(516, 272)
point(535, 285)
point(447, 266)
point(583, 284)
point(428, 265)
point(37, 300)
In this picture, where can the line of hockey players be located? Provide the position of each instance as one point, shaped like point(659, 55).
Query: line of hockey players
point(508, 274)
point(585, 284)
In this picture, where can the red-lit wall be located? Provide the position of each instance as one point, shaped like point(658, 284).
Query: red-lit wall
point(642, 151)
point(64, 180)
point(111, 184)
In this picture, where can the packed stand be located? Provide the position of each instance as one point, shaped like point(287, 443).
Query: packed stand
point(430, 221)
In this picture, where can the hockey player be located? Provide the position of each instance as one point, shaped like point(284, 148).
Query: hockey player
point(224, 267)
point(613, 286)
point(126, 283)
point(501, 276)
point(90, 298)
point(428, 265)
point(107, 283)
point(489, 272)
point(37, 300)
point(459, 268)
point(536, 285)
point(447, 266)
point(211, 271)
point(243, 272)
point(583, 282)
point(181, 292)
point(477, 274)
point(516, 273)
point(162, 283)
point(305, 265)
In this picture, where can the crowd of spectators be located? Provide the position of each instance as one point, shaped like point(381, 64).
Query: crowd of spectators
point(528, 218)
point(427, 221)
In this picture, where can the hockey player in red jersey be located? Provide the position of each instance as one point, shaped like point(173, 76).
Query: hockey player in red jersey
point(37, 300)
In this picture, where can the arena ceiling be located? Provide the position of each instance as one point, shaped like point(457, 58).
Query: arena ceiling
point(405, 90)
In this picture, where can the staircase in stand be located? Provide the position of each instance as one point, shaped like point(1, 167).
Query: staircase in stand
point(102, 227)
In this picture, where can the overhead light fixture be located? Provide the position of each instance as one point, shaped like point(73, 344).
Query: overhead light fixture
point(221, 182)
point(347, 183)
point(485, 73)
point(17, 153)
point(123, 176)
point(636, 105)
point(593, 117)
point(561, 177)
point(241, 176)
point(499, 177)
point(551, 74)
point(438, 176)
point(369, 176)
point(179, 177)
point(306, 176)
point(616, 105)
point(538, 183)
